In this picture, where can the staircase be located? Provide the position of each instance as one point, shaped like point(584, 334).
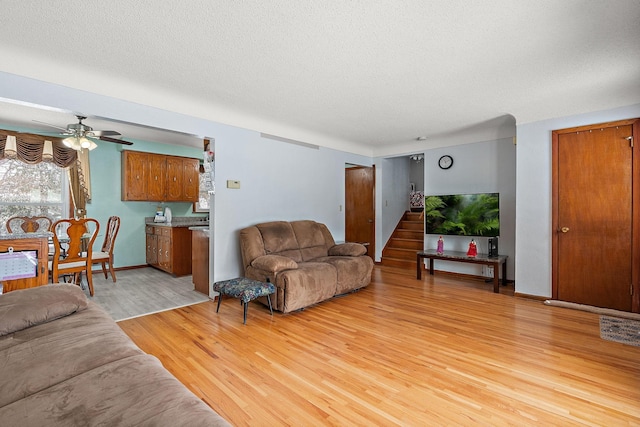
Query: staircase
point(406, 240)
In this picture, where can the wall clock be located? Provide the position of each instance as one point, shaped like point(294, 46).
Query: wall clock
point(445, 162)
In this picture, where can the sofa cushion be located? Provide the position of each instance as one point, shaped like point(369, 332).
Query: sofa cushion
point(310, 239)
point(352, 272)
point(348, 249)
point(41, 356)
point(274, 263)
point(23, 308)
point(279, 239)
point(310, 283)
point(134, 391)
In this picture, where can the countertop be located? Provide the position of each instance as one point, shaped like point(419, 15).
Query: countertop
point(16, 236)
point(179, 221)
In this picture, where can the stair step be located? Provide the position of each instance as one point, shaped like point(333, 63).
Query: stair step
point(401, 233)
point(413, 216)
point(415, 244)
point(406, 240)
point(411, 225)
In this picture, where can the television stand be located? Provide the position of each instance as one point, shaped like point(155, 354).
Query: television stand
point(456, 256)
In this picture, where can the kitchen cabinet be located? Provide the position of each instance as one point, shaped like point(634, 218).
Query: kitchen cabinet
point(157, 178)
point(200, 259)
point(182, 179)
point(169, 249)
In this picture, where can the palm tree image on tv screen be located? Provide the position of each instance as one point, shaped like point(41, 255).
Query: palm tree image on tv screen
point(463, 214)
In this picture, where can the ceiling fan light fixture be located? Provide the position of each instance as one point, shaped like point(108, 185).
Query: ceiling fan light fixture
point(79, 143)
point(86, 143)
point(71, 142)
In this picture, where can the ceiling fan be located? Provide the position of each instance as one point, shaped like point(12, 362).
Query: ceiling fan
point(80, 136)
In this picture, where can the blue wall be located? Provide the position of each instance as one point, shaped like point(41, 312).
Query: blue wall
point(106, 198)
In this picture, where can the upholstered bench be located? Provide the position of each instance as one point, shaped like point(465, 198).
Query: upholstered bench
point(246, 290)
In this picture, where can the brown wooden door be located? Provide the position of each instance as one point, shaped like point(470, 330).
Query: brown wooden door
point(157, 178)
point(191, 179)
point(593, 216)
point(359, 206)
point(135, 170)
point(175, 175)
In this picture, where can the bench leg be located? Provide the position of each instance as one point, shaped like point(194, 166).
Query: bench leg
point(246, 305)
point(219, 299)
point(270, 308)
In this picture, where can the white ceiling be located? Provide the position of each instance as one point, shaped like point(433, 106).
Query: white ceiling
point(372, 74)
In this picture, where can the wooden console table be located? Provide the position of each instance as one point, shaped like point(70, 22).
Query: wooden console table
point(462, 257)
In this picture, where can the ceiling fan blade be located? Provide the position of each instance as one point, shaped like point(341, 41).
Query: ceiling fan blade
point(99, 133)
point(50, 125)
point(117, 141)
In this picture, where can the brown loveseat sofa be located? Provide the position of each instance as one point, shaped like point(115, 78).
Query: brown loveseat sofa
point(65, 362)
point(303, 261)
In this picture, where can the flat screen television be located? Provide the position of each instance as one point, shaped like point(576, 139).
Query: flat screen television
point(463, 214)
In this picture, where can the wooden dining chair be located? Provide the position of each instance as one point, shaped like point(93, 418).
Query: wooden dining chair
point(105, 255)
point(77, 236)
point(28, 224)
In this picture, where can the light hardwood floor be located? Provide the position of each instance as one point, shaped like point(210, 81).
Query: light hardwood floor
point(440, 351)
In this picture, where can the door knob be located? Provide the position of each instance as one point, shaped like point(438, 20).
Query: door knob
point(564, 229)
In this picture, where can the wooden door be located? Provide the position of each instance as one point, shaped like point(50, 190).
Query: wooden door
point(157, 178)
point(593, 216)
point(164, 253)
point(191, 179)
point(152, 246)
point(135, 175)
point(175, 175)
point(360, 207)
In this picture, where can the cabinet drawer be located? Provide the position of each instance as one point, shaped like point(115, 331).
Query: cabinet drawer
point(149, 229)
point(165, 231)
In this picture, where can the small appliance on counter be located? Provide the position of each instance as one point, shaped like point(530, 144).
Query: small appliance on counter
point(167, 215)
point(160, 215)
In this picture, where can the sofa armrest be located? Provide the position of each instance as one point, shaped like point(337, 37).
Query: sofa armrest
point(348, 249)
point(274, 263)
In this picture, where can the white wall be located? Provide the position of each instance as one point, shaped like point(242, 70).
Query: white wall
point(278, 180)
point(533, 207)
point(482, 167)
point(416, 174)
point(392, 197)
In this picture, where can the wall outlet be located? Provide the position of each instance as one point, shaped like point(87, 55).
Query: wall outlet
point(488, 270)
point(233, 184)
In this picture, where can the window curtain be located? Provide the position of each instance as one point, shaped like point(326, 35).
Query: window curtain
point(29, 148)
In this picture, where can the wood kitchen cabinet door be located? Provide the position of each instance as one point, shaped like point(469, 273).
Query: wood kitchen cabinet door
point(164, 251)
point(135, 173)
point(156, 182)
point(191, 168)
point(152, 246)
point(159, 178)
point(175, 179)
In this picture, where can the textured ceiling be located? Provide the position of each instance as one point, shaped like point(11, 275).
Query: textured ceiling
point(369, 75)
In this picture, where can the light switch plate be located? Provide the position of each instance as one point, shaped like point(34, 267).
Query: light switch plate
point(233, 184)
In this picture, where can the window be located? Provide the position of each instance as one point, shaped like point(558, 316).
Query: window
point(32, 190)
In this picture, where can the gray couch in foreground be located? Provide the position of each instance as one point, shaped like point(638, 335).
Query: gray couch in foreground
point(65, 362)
